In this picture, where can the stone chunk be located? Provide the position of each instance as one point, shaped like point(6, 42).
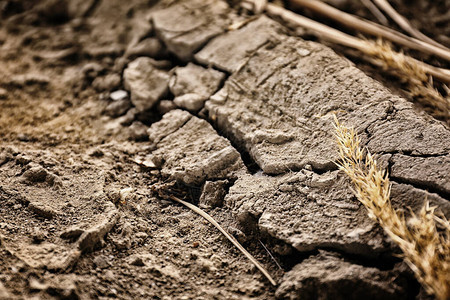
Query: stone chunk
point(191, 102)
point(193, 152)
point(213, 193)
point(326, 276)
point(170, 123)
point(118, 95)
point(188, 25)
point(117, 108)
point(151, 47)
point(106, 83)
point(35, 174)
point(195, 79)
point(138, 131)
point(146, 83)
point(230, 51)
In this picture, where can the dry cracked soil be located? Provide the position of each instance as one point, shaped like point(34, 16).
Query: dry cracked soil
point(102, 103)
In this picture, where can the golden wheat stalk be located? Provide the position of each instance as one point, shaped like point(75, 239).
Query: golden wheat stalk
point(371, 28)
point(425, 250)
point(416, 73)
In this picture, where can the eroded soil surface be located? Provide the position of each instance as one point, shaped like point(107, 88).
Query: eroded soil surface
point(104, 102)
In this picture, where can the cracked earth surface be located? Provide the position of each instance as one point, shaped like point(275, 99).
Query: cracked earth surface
point(101, 101)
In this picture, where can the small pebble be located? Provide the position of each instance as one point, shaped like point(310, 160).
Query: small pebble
point(118, 95)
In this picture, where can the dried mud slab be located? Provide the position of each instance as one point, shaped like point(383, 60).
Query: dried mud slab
point(191, 151)
point(313, 211)
point(186, 27)
point(308, 211)
point(326, 276)
point(146, 83)
point(47, 221)
point(279, 106)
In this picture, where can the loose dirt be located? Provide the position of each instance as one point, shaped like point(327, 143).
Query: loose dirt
point(102, 102)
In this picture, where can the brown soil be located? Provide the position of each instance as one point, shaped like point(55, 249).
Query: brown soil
point(69, 173)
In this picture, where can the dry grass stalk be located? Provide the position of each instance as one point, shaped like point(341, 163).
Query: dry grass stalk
point(414, 75)
point(220, 228)
point(371, 28)
point(425, 250)
point(333, 35)
point(414, 72)
point(404, 24)
point(375, 11)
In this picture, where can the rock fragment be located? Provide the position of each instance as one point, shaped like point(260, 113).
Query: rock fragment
point(35, 174)
point(117, 108)
point(146, 83)
point(151, 47)
point(118, 95)
point(101, 262)
point(138, 131)
point(192, 151)
point(195, 79)
point(170, 123)
point(213, 193)
point(106, 83)
point(191, 102)
point(187, 26)
point(230, 51)
point(326, 276)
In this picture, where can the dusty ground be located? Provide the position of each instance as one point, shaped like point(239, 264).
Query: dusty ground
point(249, 142)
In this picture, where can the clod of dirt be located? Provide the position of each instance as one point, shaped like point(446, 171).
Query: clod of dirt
point(213, 193)
point(192, 102)
point(151, 47)
point(326, 214)
point(327, 276)
point(146, 83)
point(186, 28)
point(117, 108)
point(286, 92)
point(35, 174)
point(164, 106)
point(195, 79)
point(192, 151)
point(138, 131)
point(219, 52)
point(106, 83)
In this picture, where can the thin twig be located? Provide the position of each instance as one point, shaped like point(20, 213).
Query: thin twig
point(404, 24)
point(375, 11)
point(226, 234)
point(368, 27)
point(273, 258)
